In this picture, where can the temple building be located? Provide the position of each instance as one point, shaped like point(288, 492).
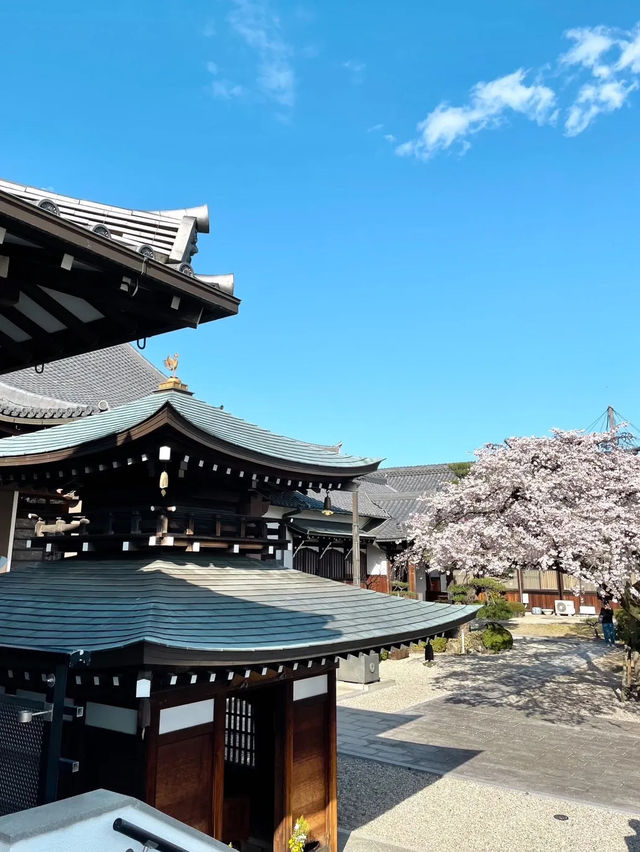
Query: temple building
point(156, 638)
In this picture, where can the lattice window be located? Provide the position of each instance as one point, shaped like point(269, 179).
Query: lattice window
point(240, 733)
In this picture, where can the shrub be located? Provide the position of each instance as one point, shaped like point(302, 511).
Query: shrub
point(384, 655)
point(517, 608)
point(496, 638)
point(439, 645)
point(498, 610)
point(462, 594)
point(627, 628)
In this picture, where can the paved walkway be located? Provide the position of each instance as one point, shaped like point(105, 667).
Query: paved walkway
point(511, 721)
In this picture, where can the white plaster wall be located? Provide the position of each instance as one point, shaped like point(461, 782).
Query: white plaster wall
point(376, 561)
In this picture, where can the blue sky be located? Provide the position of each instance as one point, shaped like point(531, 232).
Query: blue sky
point(431, 209)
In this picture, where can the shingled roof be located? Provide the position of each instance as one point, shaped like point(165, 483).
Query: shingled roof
point(212, 610)
point(399, 492)
point(77, 387)
point(227, 433)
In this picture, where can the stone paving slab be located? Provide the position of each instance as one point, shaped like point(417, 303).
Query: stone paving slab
point(595, 762)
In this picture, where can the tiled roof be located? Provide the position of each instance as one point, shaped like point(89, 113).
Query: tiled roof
point(235, 609)
point(341, 501)
point(398, 491)
point(206, 418)
point(79, 386)
point(399, 509)
point(170, 235)
point(424, 478)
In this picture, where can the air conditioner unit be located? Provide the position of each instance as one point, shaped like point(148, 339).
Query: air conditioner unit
point(565, 608)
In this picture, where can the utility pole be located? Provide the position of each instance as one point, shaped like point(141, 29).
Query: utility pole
point(355, 545)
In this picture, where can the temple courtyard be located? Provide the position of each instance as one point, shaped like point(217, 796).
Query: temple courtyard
point(494, 747)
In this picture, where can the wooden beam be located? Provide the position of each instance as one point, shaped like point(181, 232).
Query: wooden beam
point(283, 821)
point(332, 767)
point(51, 306)
point(219, 724)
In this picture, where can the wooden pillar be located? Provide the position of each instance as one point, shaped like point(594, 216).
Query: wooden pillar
point(519, 578)
point(411, 577)
point(219, 724)
point(283, 770)
point(332, 765)
point(8, 511)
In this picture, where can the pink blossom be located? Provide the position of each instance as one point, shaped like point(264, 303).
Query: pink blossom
point(568, 502)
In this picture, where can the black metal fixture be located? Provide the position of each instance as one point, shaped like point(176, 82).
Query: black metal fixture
point(327, 508)
point(26, 716)
point(148, 840)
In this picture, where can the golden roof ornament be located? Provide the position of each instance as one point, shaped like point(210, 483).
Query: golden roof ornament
point(173, 383)
point(171, 363)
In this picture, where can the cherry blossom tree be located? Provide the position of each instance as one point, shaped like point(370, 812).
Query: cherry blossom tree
point(567, 502)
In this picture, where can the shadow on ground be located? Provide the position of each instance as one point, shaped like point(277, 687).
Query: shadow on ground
point(378, 798)
point(370, 727)
point(633, 840)
point(565, 681)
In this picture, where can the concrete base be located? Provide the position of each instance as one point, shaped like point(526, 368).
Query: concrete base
point(364, 668)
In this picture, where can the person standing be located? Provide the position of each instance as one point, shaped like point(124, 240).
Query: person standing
point(606, 619)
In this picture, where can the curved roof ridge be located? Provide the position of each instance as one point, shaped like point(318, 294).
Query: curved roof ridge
point(227, 429)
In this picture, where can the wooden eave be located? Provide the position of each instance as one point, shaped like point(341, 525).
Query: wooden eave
point(99, 266)
point(167, 416)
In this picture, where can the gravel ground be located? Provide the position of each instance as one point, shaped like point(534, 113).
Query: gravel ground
point(414, 683)
point(532, 677)
point(425, 813)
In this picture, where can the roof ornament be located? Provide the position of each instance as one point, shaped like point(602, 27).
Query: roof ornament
point(171, 363)
point(102, 231)
point(173, 383)
point(49, 205)
point(147, 251)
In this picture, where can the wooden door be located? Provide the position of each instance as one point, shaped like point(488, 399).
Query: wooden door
point(310, 776)
point(184, 777)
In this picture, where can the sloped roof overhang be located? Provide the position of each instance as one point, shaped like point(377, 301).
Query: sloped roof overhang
point(318, 529)
point(218, 611)
point(67, 290)
point(96, 436)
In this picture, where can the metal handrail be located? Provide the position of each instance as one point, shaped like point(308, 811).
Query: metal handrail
point(148, 840)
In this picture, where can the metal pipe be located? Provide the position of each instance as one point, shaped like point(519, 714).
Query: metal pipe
point(152, 841)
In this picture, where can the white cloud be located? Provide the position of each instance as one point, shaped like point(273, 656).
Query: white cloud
point(590, 45)
point(356, 70)
point(260, 29)
point(221, 88)
point(389, 137)
point(226, 90)
point(488, 103)
point(602, 62)
point(374, 128)
point(594, 99)
point(630, 54)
